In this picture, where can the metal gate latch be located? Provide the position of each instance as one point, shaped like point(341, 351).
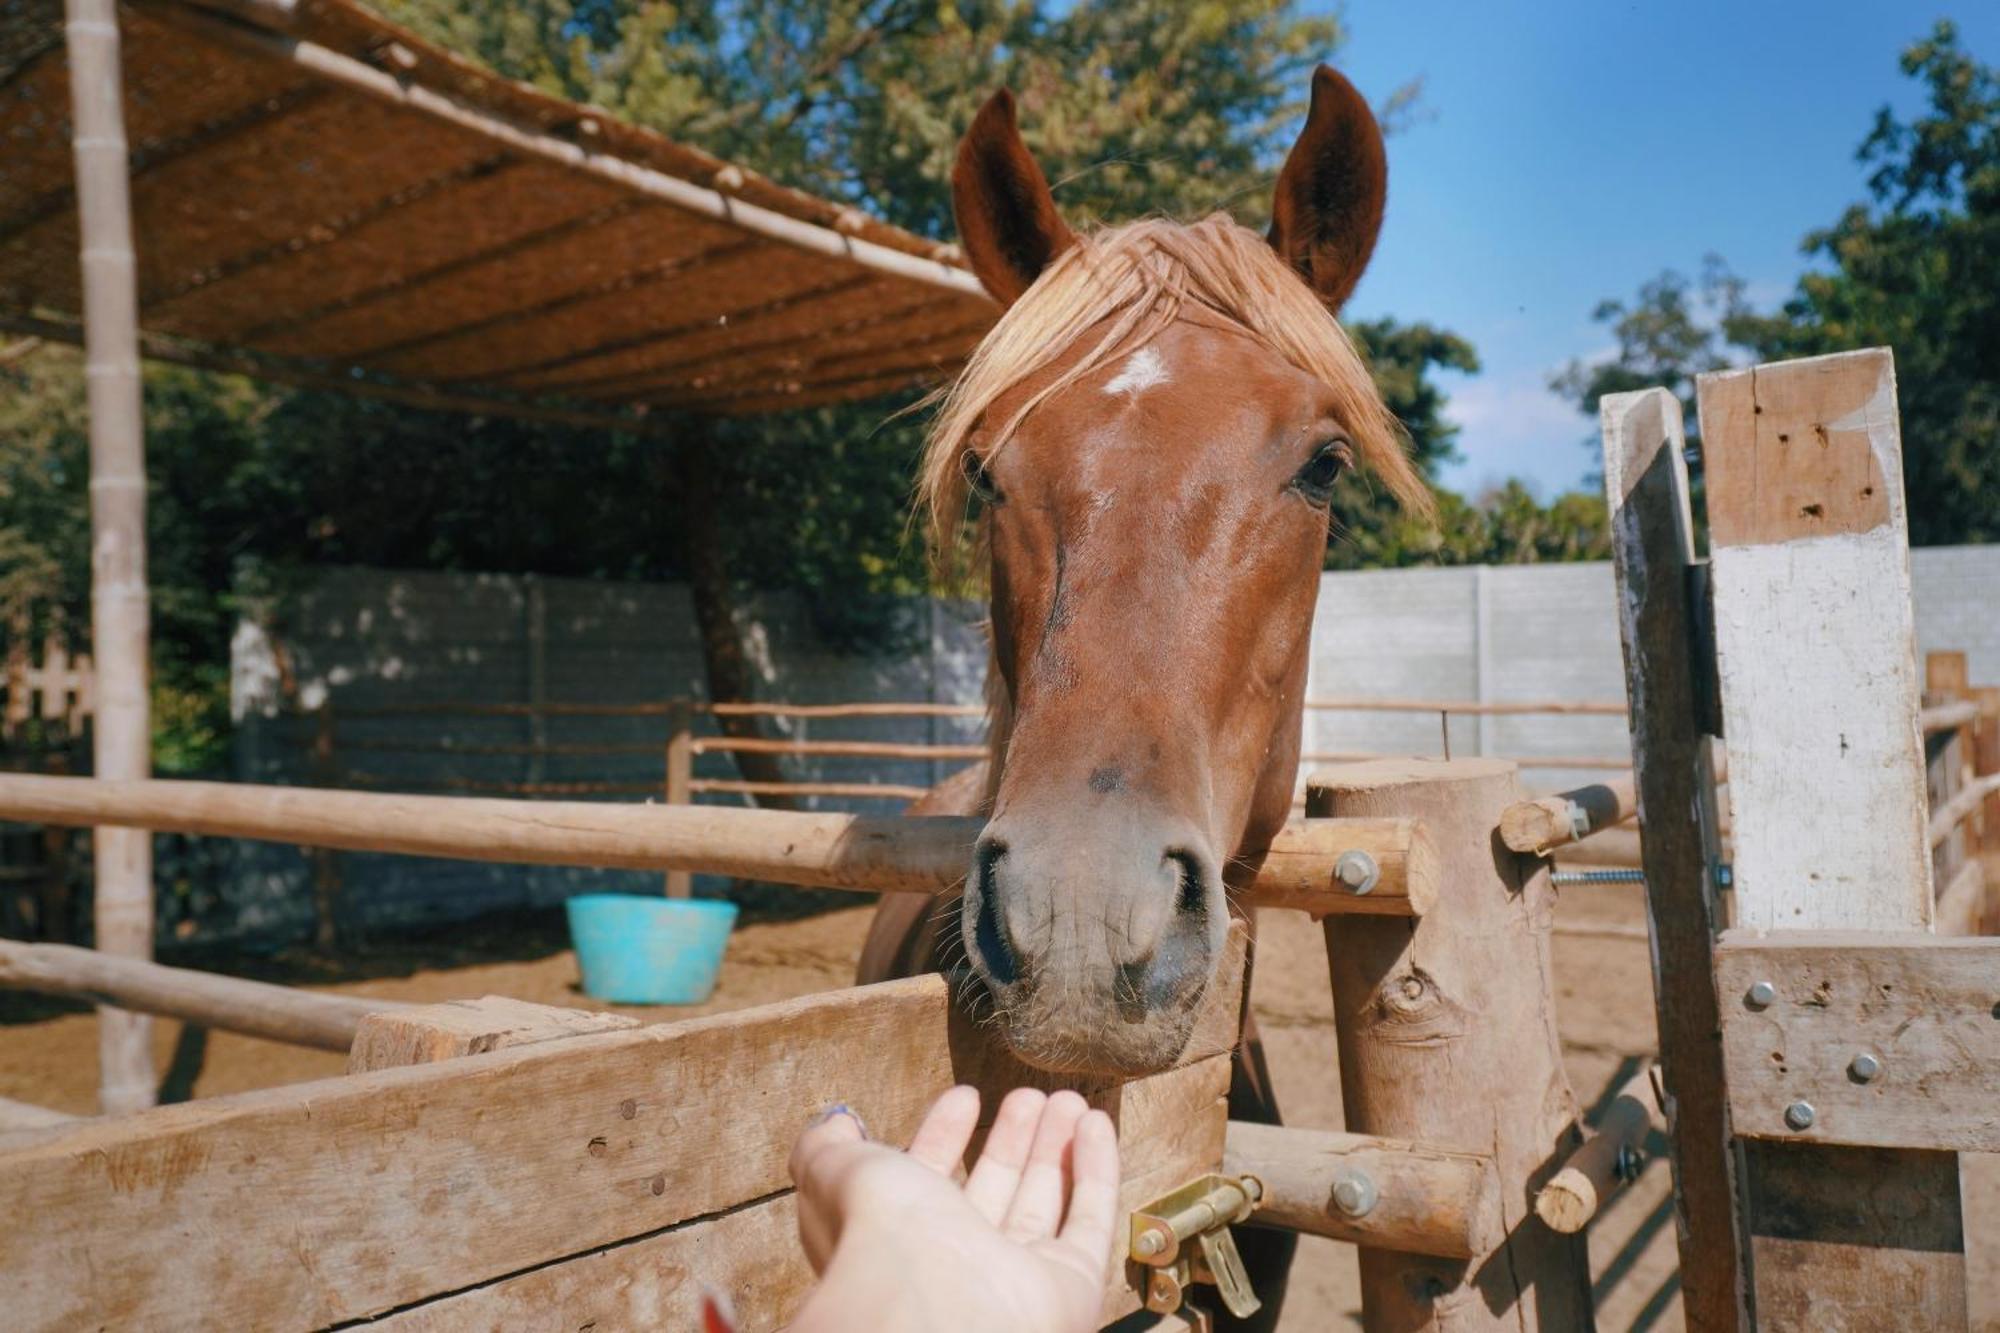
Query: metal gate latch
point(1200, 1211)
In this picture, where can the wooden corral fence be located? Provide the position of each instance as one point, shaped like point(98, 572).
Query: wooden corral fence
point(566, 1168)
point(337, 736)
point(1825, 1055)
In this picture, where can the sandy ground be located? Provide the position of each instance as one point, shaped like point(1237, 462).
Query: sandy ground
point(47, 1056)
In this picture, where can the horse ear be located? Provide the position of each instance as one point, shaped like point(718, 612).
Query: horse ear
point(1328, 208)
point(1007, 218)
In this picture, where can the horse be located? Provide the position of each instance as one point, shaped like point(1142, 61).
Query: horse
point(1150, 436)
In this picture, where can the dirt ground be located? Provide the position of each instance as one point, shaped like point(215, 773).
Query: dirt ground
point(1604, 1005)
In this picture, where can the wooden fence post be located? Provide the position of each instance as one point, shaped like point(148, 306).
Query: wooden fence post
point(1669, 685)
point(325, 860)
point(1817, 667)
point(1447, 1037)
point(680, 779)
point(119, 613)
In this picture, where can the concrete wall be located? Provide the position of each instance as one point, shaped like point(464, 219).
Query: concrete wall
point(1530, 632)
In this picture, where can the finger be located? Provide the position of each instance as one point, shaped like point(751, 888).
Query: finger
point(830, 1138)
point(1092, 1224)
point(990, 1187)
point(1038, 1201)
point(835, 1125)
point(947, 1128)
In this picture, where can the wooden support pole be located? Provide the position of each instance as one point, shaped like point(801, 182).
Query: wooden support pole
point(1660, 622)
point(680, 780)
point(1814, 642)
point(1447, 1038)
point(1535, 826)
point(232, 1004)
point(1399, 1196)
point(1607, 1162)
point(887, 854)
point(325, 860)
point(122, 746)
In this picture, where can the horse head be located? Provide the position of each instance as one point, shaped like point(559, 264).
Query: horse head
point(1153, 430)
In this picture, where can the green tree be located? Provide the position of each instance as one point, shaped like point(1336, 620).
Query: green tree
point(1915, 270)
point(1911, 269)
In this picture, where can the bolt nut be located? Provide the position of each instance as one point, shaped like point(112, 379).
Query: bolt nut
point(1629, 1164)
point(1357, 870)
point(1800, 1115)
point(1762, 995)
point(1354, 1193)
point(1864, 1067)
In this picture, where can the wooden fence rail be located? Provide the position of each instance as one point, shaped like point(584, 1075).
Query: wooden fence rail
point(831, 851)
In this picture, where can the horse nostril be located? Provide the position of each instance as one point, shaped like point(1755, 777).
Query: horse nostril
point(1191, 897)
point(988, 938)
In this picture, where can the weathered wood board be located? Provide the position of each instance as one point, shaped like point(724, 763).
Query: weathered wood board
point(420, 1034)
point(310, 1205)
point(1815, 645)
point(1926, 1010)
point(1817, 668)
point(1671, 699)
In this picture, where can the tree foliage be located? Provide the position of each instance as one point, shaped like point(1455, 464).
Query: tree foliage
point(1911, 269)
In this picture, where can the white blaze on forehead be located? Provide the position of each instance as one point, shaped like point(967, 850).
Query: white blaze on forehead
point(1141, 371)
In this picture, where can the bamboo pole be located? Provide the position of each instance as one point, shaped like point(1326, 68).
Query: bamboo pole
point(122, 736)
point(831, 851)
point(232, 1004)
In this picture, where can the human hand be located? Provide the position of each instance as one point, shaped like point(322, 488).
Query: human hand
point(1023, 1246)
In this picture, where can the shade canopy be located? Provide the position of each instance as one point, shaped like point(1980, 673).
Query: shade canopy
point(322, 198)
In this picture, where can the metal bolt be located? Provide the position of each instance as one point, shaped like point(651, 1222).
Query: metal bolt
point(1800, 1115)
point(1630, 1163)
point(1357, 870)
point(1864, 1067)
point(1761, 995)
point(1149, 1244)
point(1354, 1193)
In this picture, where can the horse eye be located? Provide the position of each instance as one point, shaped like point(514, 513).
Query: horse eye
point(978, 479)
point(1316, 478)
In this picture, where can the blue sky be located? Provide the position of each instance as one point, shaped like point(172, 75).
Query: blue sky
point(1571, 150)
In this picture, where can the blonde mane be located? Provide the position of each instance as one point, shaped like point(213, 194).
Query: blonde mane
point(1134, 281)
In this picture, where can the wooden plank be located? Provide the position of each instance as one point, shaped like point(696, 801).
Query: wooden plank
point(424, 1033)
point(1815, 645)
point(751, 1254)
point(1926, 1009)
point(1428, 1201)
point(1652, 531)
point(1819, 1218)
point(885, 854)
point(343, 1199)
point(1817, 662)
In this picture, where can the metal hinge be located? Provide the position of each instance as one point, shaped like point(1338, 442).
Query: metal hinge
point(1200, 1212)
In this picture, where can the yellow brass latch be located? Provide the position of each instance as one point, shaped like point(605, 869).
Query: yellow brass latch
point(1200, 1211)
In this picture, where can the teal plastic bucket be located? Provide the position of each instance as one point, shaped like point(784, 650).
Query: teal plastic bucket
point(638, 949)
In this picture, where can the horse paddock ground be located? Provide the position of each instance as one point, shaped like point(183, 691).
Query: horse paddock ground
point(1604, 1010)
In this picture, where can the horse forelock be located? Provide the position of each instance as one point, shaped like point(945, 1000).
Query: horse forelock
point(1121, 287)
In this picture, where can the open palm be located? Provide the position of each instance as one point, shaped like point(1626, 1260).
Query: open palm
point(1023, 1244)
